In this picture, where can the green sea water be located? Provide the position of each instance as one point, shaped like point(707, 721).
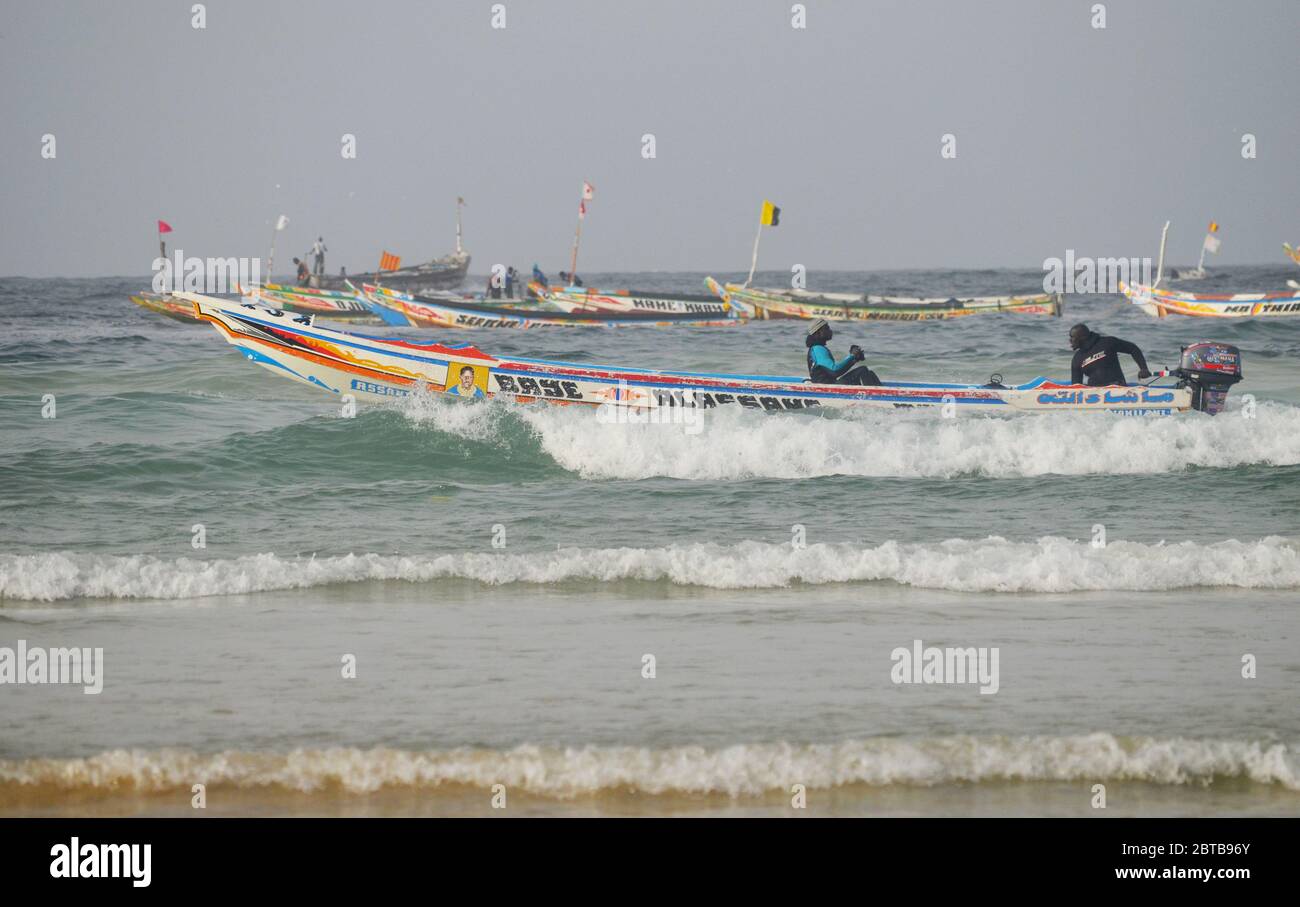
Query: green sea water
point(500, 574)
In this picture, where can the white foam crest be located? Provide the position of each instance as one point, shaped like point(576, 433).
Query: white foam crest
point(473, 422)
point(738, 444)
point(739, 770)
point(1049, 564)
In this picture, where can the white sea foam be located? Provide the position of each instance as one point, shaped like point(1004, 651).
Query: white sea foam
point(743, 444)
point(474, 423)
point(993, 564)
point(739, 770)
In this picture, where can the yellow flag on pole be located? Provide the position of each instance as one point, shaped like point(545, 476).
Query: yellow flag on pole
point(771, 215)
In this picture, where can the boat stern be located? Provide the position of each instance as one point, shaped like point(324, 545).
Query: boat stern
point(1210, 369)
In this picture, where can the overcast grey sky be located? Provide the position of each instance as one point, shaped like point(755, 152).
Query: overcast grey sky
point(1068, 137)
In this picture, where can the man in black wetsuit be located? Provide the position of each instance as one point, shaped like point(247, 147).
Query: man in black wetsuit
point(1096, 358)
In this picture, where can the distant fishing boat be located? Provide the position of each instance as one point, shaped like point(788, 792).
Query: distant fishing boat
point(165, 304)
point(436, 274)
point(449, 312)
point(1209, 244)
point(1160, 301)
point(770, 303)
point(754, 302)
point(347, 305)
point(598, 303)
point(594, 301)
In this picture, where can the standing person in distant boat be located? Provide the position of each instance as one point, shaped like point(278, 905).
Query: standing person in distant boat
point(511, 276)
point(822, 367)
point(318, 251)
point(538, 276)
point(493, 288)
point(304, 275)
point(1096, 358)
point(575, 280)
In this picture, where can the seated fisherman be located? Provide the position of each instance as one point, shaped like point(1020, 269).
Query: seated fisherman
point(1096, 358)
point(822, 367)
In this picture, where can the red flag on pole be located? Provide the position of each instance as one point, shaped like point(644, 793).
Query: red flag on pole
point(164, 227)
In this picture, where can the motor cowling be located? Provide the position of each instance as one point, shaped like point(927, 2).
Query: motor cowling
point(1210, 369)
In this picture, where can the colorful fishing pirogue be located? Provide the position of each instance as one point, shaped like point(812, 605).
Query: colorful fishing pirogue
point(381, 369)
point(593, 301)
point(768, 303)
point(451, 312)
point(342, 304)
point(1160, 302)
point(166, 304)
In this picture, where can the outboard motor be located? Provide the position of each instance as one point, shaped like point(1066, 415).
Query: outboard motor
point(1209, 369)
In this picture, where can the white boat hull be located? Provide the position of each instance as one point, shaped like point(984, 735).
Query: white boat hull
point(1160, 302)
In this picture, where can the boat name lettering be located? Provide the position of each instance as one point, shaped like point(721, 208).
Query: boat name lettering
point(1083, 398)
point(478, 321)
point(382, 390)
point(693, 398)
point(674, 305)
point(535, 387)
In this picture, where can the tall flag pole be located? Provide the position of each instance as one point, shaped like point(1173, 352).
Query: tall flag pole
point(768, 216)
point(460, 203)
point(588, 193)
point(280, 223)
point(163, 227)
point(1160, 266)
point(1210, 245)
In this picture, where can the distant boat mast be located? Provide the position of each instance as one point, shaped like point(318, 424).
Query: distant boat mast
point(460, 202)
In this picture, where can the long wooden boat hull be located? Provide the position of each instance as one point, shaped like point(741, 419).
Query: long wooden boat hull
point(434, 312)
point(347, 306)
point(1161, 302)
point(380, 369)
point(590, 300)
point(438, 274)
point(761, 303)
point(167, 305)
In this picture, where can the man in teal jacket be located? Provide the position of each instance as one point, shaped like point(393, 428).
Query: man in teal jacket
point(822, 367)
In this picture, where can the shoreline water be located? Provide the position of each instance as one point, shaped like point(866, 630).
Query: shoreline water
point(967, 776)
point(1002, 800)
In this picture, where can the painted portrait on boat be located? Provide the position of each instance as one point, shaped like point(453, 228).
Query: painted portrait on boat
point(467, 380)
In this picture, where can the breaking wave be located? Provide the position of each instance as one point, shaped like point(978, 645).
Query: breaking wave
point(1049, 564)
point(743, 445)
point(735, 771)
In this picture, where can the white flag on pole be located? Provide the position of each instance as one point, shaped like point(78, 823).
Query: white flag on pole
point(588, 191)
point(281, 222)
point(1211, 243)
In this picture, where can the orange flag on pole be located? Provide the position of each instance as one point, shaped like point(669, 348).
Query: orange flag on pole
point(389, 262)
